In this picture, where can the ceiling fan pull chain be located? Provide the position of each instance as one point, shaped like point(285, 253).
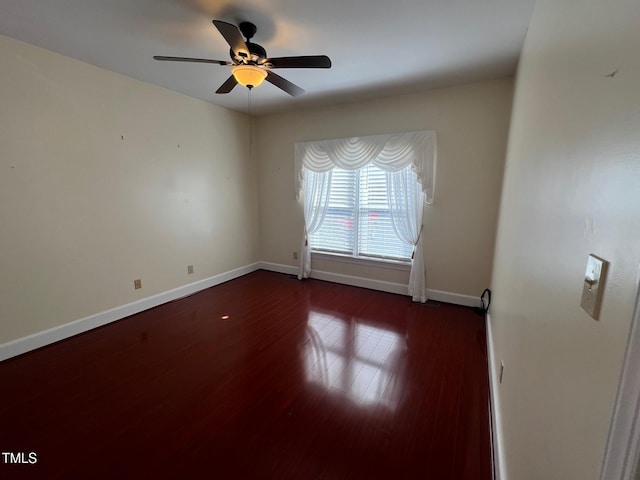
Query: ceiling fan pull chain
point(250, 129)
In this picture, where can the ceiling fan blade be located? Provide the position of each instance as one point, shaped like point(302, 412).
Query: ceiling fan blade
point(228, 85)
point(284, 84)
point(195, 60)
point(233, 37)
point(309, 61)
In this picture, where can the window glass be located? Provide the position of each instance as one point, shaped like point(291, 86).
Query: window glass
point(358, 221)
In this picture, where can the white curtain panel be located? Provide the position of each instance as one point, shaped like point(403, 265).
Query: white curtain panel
point(405, 205)
point(316, 202)
point(392, 153)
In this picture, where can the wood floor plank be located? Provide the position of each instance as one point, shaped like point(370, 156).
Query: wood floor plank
point(261, 377)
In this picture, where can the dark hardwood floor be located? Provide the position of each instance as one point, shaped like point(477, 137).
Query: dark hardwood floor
point(261, 377)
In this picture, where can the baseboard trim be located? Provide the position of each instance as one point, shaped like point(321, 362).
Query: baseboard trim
point(360, 282)
point(279, 268)
point(398, 288)
point(496, 417)
point(52, 335)
point(455, 298)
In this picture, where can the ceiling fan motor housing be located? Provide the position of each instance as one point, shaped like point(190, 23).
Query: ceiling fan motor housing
point(257, 53)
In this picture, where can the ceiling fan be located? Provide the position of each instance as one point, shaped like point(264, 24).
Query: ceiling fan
point(249, 61)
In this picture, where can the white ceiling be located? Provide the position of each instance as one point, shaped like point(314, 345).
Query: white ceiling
point(378, 47)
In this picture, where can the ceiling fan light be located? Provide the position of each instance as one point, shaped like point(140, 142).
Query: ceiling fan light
point(249, 75)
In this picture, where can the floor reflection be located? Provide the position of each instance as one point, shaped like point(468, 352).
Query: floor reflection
point(363, 362)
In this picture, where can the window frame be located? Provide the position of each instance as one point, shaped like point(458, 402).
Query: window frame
point(356, 257)
point(386, 263)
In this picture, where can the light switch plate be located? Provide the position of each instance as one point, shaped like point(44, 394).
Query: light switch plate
point(593, 287)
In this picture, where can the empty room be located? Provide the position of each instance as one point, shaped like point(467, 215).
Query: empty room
point(310, 240)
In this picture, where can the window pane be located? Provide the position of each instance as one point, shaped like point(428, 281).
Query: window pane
point(376, 235)
point(337, 233)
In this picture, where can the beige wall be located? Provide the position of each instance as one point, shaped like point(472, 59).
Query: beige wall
point(83, 212)
point(572, 187)
point(472, 126)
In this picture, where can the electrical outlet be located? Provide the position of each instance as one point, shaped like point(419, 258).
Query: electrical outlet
point(137, 284)
point(189, 269)
point(501, 371)
point(295, 255)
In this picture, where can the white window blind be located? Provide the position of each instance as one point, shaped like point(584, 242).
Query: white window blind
point(358, 220)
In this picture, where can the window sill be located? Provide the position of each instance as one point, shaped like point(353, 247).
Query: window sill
point(366, 262)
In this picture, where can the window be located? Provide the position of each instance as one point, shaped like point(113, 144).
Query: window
point(364, 197)
point(358, 218)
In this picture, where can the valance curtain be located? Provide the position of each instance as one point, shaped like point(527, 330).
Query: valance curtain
point(392, 153)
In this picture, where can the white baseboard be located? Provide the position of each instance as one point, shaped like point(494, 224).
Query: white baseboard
point(360, 282)
point(380, 285)
point(279, 268)
point(455, 298)
point(496, 417)
point(47, 337)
